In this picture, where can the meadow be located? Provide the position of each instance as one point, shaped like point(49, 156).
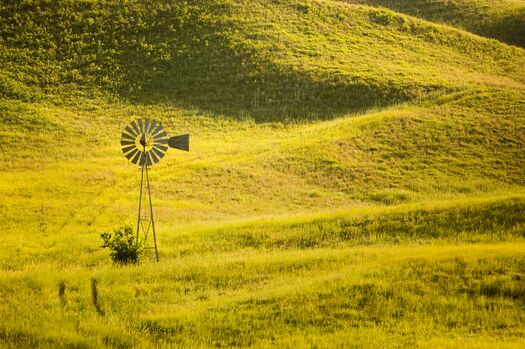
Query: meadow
point(356, 175)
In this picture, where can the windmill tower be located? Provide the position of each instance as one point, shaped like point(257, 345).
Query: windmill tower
point(144, 142)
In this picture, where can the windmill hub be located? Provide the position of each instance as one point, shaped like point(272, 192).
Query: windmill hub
point(144, 142)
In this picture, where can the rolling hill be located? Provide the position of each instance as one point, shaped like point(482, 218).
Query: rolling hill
point(501, 20)
point(356, 174)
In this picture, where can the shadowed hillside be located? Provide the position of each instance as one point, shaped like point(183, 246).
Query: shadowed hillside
point(318, 60)
point(503, 20)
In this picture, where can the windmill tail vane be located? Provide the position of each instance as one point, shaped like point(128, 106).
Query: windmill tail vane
point(145, 142)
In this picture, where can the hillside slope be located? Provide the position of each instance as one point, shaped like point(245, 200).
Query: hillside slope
point(319, 60)
point(501, 20)
point(461, 133)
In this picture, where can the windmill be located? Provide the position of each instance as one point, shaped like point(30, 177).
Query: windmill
point(144, 142)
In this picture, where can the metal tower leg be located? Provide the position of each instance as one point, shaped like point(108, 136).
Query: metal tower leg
point(140, 199)
point(151, 216)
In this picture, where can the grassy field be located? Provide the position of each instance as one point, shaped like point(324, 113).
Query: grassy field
point(356, 175)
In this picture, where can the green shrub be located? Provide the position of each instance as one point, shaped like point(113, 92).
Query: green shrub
point(125, 247)
point(382, 17)
point(10, 88)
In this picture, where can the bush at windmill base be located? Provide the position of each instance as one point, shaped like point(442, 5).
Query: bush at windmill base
point(125, 247)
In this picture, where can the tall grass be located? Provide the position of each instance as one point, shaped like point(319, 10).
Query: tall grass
point(367, 296)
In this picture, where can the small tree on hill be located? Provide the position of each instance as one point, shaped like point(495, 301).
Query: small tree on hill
point(125, 247)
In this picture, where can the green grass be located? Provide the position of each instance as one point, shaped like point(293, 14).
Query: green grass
point(356, 175)
point(368, 296)
point(501, 20)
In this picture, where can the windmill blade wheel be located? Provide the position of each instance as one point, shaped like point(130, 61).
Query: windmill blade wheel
point(144, 142)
